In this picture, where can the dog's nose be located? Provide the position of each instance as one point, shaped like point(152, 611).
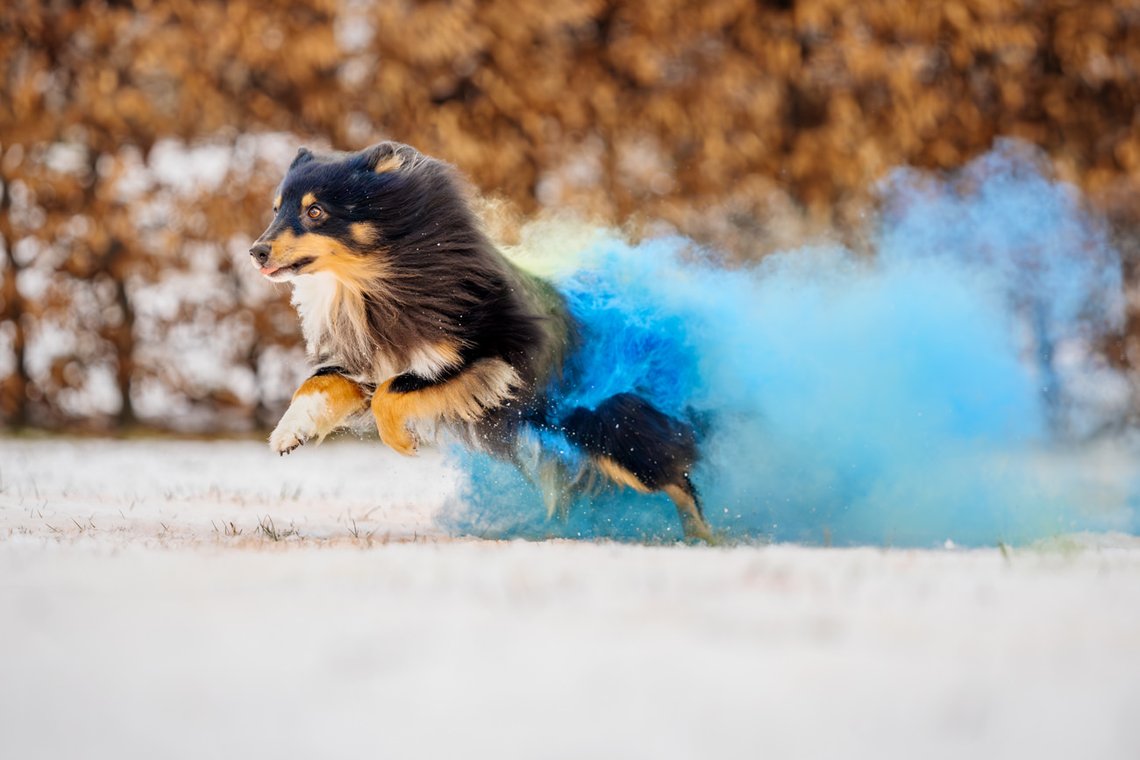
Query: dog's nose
point(260, 253)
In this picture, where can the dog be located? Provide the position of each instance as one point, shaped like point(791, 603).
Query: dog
point(409, 311)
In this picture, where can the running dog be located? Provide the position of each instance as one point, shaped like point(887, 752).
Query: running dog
point(409, 311)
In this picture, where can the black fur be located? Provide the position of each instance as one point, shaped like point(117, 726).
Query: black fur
point(303, 155)
point(656, 448)
point(410, 382)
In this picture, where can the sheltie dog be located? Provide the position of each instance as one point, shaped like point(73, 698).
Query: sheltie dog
point(410, 311)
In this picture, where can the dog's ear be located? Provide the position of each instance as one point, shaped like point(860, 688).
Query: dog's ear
point(384, 157)
point(304, 156)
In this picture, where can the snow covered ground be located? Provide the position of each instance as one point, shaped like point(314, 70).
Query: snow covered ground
point(206, 599)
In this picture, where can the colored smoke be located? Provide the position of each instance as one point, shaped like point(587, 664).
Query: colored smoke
point(946, 387)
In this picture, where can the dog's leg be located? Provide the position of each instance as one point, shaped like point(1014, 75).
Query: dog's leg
point(679, 489)
point(554, 483)
point(392, 413)
point(320, 405)
point(634, 444)
point(464, 396)
point(688, 504)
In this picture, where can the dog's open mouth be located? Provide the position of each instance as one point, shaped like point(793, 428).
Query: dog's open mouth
point(285, 271)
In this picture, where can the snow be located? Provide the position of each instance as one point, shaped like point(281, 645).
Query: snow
point(135, 623)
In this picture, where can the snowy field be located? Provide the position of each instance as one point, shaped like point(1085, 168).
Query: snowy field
point(207, 599)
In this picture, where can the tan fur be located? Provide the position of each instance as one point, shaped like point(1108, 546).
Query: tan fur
point(356, 271)
point(447, 351)
point(619, 474)
point(277, 203)
point(389, 164)
point(484, 385)
point(280, 249)
point(342, 396)
point(691, 520)
point(433, 360)
point(360, 274)
point(363, 233)
point(308, 200)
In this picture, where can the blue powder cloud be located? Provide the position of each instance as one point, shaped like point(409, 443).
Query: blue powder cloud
point(904, 399)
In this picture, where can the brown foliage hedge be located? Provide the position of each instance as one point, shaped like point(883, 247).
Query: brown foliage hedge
point(732, 121)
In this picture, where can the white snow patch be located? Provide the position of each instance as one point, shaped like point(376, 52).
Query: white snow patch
point(133, 626)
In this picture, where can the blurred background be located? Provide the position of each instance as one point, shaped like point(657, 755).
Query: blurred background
point(140, 144)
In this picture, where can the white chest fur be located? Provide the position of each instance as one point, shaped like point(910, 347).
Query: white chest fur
point(314, 296)
point(336, 331)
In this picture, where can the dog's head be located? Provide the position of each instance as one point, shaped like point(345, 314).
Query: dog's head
point(340, 212)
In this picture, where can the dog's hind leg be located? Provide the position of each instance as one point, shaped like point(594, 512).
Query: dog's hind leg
point(688, 503)
point(322, 404)
point(634, 444)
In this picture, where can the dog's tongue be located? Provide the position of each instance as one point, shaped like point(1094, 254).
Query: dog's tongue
point(268, 270)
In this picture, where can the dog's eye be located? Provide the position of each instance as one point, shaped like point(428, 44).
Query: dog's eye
point(315, 212)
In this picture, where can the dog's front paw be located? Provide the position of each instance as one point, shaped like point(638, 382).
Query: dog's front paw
point(299, 424)
point(283, 439)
